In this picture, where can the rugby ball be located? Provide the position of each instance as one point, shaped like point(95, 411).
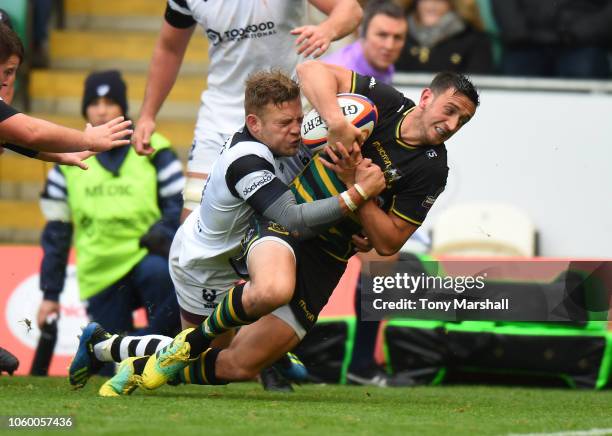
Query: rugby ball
point(357, 109)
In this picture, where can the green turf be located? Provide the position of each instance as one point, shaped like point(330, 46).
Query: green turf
point(244, 409)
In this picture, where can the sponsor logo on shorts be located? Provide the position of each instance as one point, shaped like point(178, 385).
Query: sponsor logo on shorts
point(267, 177)
point(309, 315)
point(257, 30)
point(277, 228)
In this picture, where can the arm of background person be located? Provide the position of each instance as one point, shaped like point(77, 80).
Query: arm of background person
point(41, 135)
point(164, 68)
point(343, 17)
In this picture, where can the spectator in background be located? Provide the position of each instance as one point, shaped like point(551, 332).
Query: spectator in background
point(555, 38)
point(41, 15)
point(445, 35)
point(382, 36)
point(123, 212)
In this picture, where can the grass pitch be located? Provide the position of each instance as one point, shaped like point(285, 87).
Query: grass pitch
point(245, 409)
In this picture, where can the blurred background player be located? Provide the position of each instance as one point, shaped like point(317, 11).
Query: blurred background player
point(123, 213)
point(41, 139)
point(445, 35)
point(382, 36)
point(244, 36)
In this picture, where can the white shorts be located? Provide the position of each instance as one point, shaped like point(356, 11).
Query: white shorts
point(205, 151)
point(196, 298)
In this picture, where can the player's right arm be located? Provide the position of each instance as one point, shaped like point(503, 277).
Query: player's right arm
point(55, 240)
point(176, 31)
point(320, 82)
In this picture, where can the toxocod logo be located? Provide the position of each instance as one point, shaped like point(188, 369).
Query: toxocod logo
point(251, 31)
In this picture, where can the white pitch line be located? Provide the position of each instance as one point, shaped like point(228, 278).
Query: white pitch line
point(591, 432)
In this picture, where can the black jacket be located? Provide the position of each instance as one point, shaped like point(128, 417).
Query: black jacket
point(549, 22)
point(466, 52)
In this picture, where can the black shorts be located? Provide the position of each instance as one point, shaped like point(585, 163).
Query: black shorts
point(318, 273)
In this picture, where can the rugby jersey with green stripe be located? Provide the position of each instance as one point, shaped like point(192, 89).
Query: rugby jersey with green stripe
point(415, 176)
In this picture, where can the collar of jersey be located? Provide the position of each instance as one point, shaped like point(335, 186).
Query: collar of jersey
point(398, 138)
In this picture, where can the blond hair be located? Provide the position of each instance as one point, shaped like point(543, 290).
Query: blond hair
point(265, 87)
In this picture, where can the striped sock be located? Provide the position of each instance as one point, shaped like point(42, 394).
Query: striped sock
point(202, 370)
point(228, 315)
point(121, 347)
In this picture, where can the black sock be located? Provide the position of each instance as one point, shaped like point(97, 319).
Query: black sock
point(198, 341)
point(139, 364)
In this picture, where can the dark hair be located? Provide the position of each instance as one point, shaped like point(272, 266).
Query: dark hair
point(380, 7)
point(10, 44)
point(5, 18)
point(449, 79)
point(265, 87)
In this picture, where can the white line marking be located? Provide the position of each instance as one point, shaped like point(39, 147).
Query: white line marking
point(591, 432)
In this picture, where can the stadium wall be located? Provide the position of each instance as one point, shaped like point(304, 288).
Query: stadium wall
point(547, 152)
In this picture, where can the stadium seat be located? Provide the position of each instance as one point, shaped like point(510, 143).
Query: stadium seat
point(482, 229)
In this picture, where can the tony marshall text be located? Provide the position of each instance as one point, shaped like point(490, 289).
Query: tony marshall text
point(426, 304)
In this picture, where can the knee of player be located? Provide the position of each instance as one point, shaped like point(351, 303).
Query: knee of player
point(274, 292)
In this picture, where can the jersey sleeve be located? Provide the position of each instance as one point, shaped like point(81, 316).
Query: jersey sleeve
point(413, 201)
point(178, 14)
point(387, 99)
point(253, 179)
point(6, 111)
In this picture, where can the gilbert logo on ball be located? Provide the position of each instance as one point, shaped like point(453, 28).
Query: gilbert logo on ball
point(357, 109)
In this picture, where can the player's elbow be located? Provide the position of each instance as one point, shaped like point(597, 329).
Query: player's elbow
point(303, 68)
point(386, 250)
point(387, 246)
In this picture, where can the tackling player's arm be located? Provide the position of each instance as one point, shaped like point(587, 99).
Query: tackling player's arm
point(343, 17)
point(320, 82)
point(252, 178)
point(168, 54)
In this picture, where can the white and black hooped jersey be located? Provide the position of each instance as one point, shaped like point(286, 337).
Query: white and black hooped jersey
point(245, 179)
